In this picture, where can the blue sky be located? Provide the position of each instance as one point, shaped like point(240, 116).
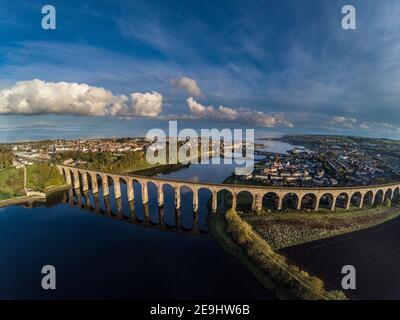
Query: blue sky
point(120, 68)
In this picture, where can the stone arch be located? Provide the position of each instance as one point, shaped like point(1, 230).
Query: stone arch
point(224, 198)
point(388, 194)
point(309, 201)
point(368, 198)
point(396, 195)
point(290, 201)
point(326, 201)
point(270, 201)
point(206, 193)
point(378, 200)
point(244, 200)
point(187, 196)
point(355, 199)
point(342, 200)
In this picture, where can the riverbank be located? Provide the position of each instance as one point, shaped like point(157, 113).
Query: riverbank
point(20, 200)
point(237, 238)
point(219, 233)
point(283, 230)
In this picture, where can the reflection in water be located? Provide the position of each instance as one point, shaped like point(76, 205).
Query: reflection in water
point(125, 256)
point(166, 217)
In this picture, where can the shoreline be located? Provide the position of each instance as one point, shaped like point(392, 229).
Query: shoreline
point(219, 234)
point(32, 198)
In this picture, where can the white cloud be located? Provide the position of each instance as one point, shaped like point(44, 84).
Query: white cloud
point(189, 85)
point(244, 115)
point(353, 123)
point(140, 104)
point(40, 97)
point(343, 121)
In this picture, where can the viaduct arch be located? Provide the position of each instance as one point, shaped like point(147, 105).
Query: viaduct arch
point(312, 198)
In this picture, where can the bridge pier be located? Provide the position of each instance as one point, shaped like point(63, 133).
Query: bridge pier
point(214, 201)
point(234, 201)
point(177, 197)
point(85, 182)
point(195, 200)
point(104, 183)
point(257, 203)
point(361, 201)
point(160, 194)
point(373, 198)
point(299, 201)
point(117, 187)
point(333, 203)
point(77, 183)
point(145, 195)
point(130, 190)
point(317, 203)
point(68, 178)
point(95, 186)
point(280, 198)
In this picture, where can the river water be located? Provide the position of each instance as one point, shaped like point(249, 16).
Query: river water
point(104, 255)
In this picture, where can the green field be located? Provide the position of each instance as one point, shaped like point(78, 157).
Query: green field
point(11, 183)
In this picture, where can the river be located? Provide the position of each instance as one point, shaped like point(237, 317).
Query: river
point(105, 256)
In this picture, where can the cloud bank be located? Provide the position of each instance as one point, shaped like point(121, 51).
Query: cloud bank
point(244, 115)
point(40, 97)
point(189, 85)
point(353, 123)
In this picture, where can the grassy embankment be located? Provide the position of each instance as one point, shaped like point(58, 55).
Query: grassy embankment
point(40, 177)
point(283, 229)
point(11, 183)
point(271, 269)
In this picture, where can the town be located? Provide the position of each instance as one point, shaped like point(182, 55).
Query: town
point(315, 161)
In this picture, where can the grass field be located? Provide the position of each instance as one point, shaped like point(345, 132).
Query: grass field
point(11, 183)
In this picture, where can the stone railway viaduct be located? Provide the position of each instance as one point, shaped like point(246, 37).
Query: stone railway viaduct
point(311, 198)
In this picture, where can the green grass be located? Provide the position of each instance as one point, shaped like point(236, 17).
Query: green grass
point(11, 183)
point(284, 229)
point(42, 176)
point(224, 240)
